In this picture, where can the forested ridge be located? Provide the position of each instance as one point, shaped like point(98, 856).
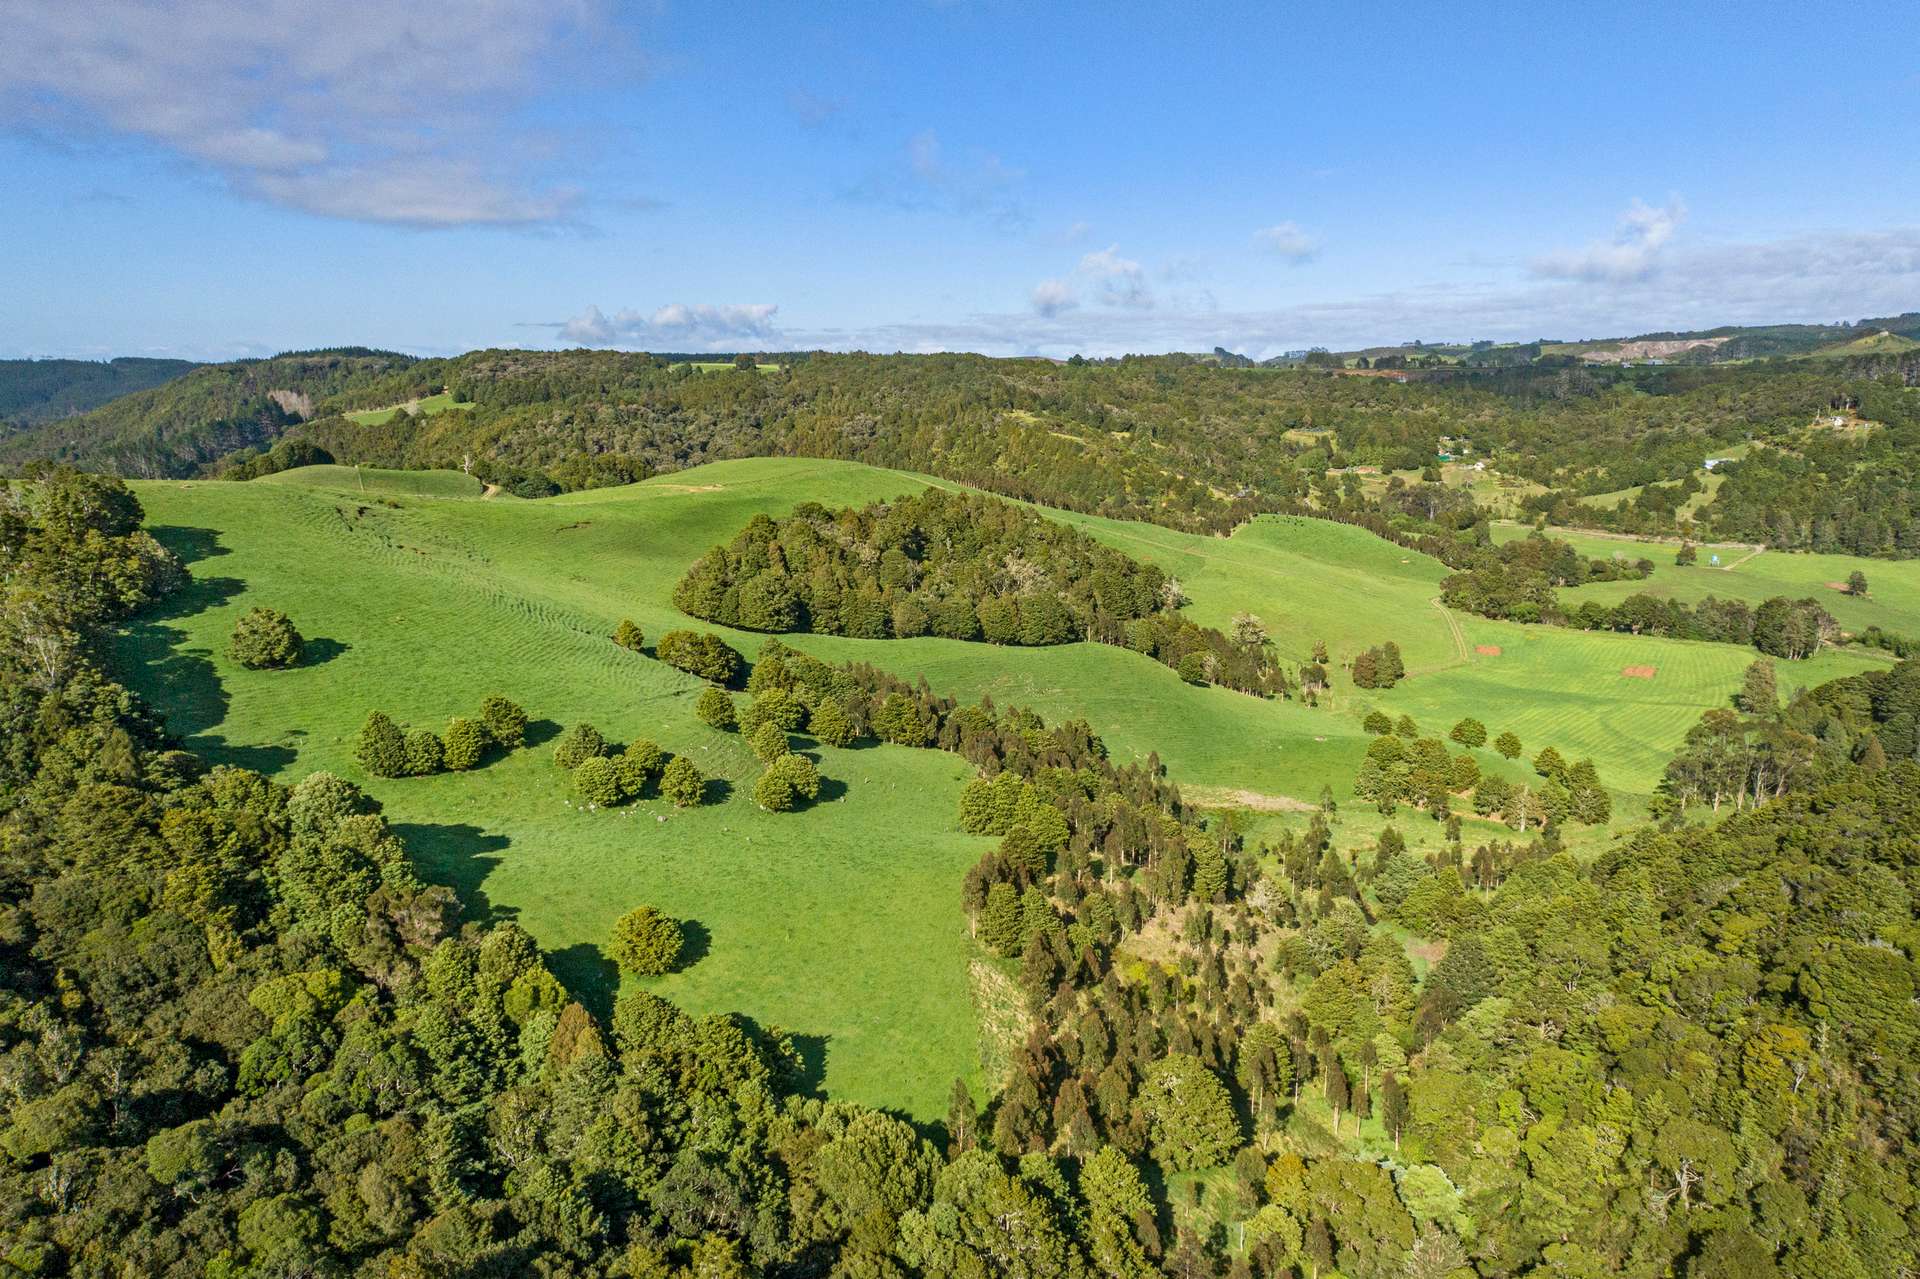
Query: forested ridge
point(36, 391)
point(1165, 438)
point(240, 1037)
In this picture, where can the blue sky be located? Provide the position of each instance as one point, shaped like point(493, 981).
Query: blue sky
point(210, 178)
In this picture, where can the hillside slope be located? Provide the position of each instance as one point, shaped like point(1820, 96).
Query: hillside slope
point(37, 391)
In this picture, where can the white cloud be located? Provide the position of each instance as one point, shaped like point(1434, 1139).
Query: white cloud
point(925, 178)
point(1289, 240)
point(1632, 254)
point(1051, 297)
point(1120, 282)
point(356, 109)
point(677, 325)
point(1812, 278)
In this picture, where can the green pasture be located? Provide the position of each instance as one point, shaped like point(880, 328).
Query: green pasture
point(426, 405)
point(840, 924)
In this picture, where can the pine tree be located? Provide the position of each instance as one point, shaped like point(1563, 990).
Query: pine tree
point(381, 748)
point(715, 708)
point(1000, 921)
point(963, 1120)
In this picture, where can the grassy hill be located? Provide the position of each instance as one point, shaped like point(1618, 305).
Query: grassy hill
point(841, 923)
point(1892, 601)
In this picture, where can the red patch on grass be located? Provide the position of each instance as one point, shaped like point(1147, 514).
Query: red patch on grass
point(1487, 650)
point(1639, 672)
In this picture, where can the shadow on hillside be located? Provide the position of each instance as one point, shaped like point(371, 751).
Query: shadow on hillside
point(717, 790)
point(318, 652)
point(461, 857)
point(831, 788)
point(189, 544)
point(541, 731)
point(813, 1063)
point(589, 977)
point(696, 942)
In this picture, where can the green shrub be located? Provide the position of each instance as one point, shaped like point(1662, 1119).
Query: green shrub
point(788, 782)
point(381, 748)
point(646, 942)
point(264, 639)
point(1508, 745)
point(1470, 733)
point(425, 753)
point(829, 723)
point(715, 708)
point(700, 653)
point(769, 742)
point(681, 783)
point(1193, 668)
point(628, 636)
point(645, 756)
point(1379, 723)
point(505, 722)
point(577, 745)
point(775, 706)
point(900, 721)
point(466, 742)
point(598, 782)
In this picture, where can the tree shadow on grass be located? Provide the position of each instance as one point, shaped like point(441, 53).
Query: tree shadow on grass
point(188, 544)
point(318, 652)
point(813, 1064)
point(589, 977)
point(541, 731)
point(461, 857)
point(695, 944)
point(831, 788)
point(716, 790)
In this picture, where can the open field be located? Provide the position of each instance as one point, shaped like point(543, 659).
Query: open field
point(419, 597)
point(426, 405)
point(1892, 601)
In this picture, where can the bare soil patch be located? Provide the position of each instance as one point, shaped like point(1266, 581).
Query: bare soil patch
point(1487, 650)
point(1228, 797)
point(1639, 672)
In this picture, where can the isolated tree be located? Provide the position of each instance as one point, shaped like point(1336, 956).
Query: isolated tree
point(597, 781)
point(425, 753)
point(1405, 727)
point(1508, 745)
point(700, 653)
point(1686, 555)
point(1366, 670)
point(1856, 583)
point(465, 743)
point(789, 781)
point(1379, 723)
point(715, 708)
point(505, 722)
point(1470, 733)
point(264, 639)
point(829, 724)
point(681, 783)
point(381, 748)
point(629, 636)
point(647, 942)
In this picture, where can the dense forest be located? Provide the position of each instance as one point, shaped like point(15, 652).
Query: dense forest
point(36, 391)
point(962, 566)
point(240, 1037)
